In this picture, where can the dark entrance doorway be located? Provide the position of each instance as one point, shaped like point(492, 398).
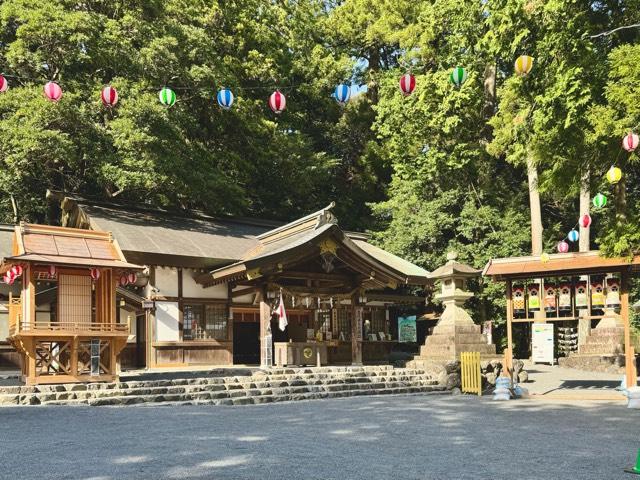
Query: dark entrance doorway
point(246, 343)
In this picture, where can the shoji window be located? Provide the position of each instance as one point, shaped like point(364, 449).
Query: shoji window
point(74, 298)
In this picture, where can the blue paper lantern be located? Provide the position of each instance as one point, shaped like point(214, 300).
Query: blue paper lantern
point(225, 98)
point(573, 235)
point(342, 93)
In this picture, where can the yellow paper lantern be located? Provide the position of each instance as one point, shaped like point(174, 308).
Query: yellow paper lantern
point(544, 258)
point(614, 175)
point(523, 65)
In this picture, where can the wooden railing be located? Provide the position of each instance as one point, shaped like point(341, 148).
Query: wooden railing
point(15, 314)
point(73, 327)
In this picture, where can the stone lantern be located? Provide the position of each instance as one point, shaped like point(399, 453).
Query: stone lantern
point(455, 332)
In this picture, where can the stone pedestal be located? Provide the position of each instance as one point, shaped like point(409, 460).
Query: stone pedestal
point(607, 338)
point(455, 332)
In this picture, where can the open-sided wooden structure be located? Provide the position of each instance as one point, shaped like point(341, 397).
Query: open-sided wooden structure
point(576, 269)
point(77, 339)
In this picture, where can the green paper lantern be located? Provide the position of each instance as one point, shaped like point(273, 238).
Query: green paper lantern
point(167, 97)
point(599, 200)
point(457, 76)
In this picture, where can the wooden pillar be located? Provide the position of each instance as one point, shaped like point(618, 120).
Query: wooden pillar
point(265, 322)
point(150, 319)
point(181, 309)
point(74, 356)
point(630, 370)
point(230, 321)
point(509, 356)
point(29, 297)
point(356, 331)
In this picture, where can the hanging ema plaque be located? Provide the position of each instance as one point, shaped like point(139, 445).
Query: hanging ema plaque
point(581, 295)
point(549, 297)
point(613, 293)
point(564, 297)
point(534, 297)
point(518, 299)
point(597, 293)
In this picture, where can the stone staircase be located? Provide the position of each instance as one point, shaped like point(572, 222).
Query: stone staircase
point(603, 341)
point(263, 386)
point(448, 341)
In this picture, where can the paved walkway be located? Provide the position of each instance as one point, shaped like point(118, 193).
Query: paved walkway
point(556, 382)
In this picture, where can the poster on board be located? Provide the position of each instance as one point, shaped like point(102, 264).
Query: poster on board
point(407, 329)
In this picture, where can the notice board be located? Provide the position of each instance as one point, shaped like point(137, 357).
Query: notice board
point(542, 343)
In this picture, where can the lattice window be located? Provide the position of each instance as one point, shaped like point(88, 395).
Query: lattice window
point(205, 322)
point(343, 323)
point(74, 298)
point(323, 321)
point(378, 321)
point(216, 318)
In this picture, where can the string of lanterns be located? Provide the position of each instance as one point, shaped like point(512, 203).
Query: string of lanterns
point(16, 271)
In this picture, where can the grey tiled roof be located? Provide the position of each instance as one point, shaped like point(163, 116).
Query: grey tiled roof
point(170, 234)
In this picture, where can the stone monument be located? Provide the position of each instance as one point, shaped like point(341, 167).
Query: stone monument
point(455, 331)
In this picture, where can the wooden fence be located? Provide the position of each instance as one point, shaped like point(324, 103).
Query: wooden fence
point(470, 372)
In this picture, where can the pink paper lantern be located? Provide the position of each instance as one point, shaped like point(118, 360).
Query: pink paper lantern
point(123, 280)
point(4, 85)
point(95, 273)
point(277, 102)
point(630, 142)
point(563, 247)
point(52, 271)
point(131, 278)
point(109, 96)
point(53, 91)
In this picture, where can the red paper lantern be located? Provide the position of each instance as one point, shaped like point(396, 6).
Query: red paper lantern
point(8, 278)
point(16, 270)
point(630, 142)
point(407, 84)
point(277, 102)
point(53, 91)
point(585, 221)
point(123, 280)
point(563, 247)
point(95, 273)
point(52, 271)
point(4, 85)
point(131, 278)
point(109, 96)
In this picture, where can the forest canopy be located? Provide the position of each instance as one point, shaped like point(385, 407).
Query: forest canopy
point(447, 167)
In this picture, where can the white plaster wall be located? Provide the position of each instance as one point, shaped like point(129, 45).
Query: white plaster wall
point(167, 281)
point(167, 322)
point(192, 289)
point(244, 299)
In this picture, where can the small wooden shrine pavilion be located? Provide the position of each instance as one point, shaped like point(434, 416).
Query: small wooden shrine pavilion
point(570, 287)
point(64, 323)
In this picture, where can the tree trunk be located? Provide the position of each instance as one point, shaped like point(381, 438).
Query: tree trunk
point(585, 205)
point(534, 207)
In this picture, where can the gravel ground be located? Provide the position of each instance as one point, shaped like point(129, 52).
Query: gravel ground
point(400, 437)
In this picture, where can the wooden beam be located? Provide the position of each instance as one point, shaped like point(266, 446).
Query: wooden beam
point(356, 330)
point(630, 360)
point(509, 351)
point(329, 277)
point(265, 322)
point(242, 292)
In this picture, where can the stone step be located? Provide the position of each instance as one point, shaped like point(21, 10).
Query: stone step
point(244, 385)
point(244, 397)
point(464, 338)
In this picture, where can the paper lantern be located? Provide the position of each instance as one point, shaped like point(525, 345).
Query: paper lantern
point(549, 297)
point(585, 220)
point(581, 295)
point(630, 142)
point(4, 85)
point(277, 102)
point(518, 299)
point(564, 296)
point(523, 65)
point(573, 235)
point(407, 84)
point(534, 297)
point(123, 280)
point(131, 278)
point(95, 273)
point(16, 270)
point(52, 271)
point(342, 94)
point(109, 96)
point(599, 200)
point(225, 99)
point(613, 293)
point(544, 258)
point(9, 279)
point(167, 97)
point(458, 76)
point(563, 247)
point(597, 293)
point(53, 91)
point(614, 174)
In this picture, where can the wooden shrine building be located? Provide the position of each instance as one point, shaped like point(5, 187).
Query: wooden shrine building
point(204, 292)
point(572, 287)
point(63, 321)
